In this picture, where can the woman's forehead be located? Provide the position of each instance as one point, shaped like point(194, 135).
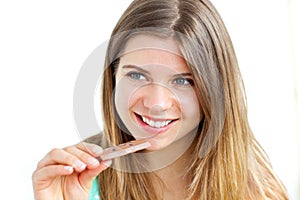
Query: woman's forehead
point(150, 50)
point(153, 57)
point(140, 42)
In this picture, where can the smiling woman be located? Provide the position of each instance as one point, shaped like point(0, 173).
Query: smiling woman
point(172, 79)
point(154, 93)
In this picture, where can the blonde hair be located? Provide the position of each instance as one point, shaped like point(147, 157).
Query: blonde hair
point(228, 163)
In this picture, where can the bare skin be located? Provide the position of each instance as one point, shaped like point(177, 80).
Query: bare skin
point(174, 178)
point(68, 173)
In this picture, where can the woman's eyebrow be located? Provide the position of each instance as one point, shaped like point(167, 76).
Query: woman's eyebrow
point(182, 74)
point(135, 67)
point(147, 72)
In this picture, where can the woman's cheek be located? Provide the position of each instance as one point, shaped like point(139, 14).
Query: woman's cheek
point(190, 107)
point(122, 95)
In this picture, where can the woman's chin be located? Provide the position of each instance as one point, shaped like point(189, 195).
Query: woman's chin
point(157, 143)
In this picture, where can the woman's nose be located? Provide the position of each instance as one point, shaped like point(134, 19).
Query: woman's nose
point(158, 98)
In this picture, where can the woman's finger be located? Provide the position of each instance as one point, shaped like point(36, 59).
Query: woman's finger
point(90, 148)
point(47, 173)
point(62, 157)
point(90, 161)
point(86, 178)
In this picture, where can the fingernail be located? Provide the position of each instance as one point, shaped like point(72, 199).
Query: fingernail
point(68, 168)
point(93, 161)
point(80, 165)
point(107, 163)
point(97, 150)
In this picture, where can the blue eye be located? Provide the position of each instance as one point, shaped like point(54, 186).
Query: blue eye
point(136, 76)
point(183, 81)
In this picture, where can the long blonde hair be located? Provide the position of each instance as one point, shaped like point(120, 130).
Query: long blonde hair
point(228, 163)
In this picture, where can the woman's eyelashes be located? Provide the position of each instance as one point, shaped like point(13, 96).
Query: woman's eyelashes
point(183, 81)
point(136, 76)
point(178, 81)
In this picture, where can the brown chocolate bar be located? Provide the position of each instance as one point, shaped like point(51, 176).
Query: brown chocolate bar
point(124, 149)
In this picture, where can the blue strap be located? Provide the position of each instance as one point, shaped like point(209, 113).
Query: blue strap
point(94, 192)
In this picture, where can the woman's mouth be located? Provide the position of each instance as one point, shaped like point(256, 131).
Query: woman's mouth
point(154, 125)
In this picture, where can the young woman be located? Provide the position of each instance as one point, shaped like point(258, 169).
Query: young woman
point(172, 77)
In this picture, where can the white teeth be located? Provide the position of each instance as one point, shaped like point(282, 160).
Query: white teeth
point(156, 124)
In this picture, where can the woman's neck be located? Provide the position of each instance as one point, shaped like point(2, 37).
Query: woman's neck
point(171, 166)
point(174, 178)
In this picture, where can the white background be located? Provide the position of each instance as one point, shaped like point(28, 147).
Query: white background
point(43, 45)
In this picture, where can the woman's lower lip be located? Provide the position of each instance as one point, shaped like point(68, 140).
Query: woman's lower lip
point(151, 129)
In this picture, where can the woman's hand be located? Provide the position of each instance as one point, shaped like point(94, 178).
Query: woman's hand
point(68, 173)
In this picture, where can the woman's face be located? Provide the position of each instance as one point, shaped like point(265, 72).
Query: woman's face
point(154, 94)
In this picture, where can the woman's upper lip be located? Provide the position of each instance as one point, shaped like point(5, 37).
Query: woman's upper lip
point(157, 118)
